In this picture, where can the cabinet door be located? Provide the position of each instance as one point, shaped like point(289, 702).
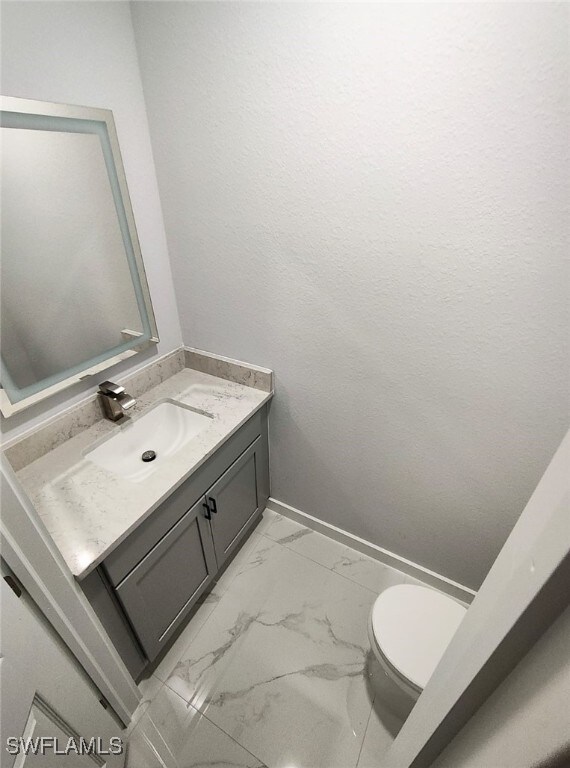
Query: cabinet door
point(234, 501)
point(159, 593)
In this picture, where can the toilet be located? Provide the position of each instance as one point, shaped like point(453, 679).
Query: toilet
point(409, 629)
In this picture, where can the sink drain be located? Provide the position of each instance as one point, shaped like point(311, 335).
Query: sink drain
point(149, 456)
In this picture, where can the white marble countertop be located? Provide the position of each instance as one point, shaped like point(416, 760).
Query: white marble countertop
point(87, 510)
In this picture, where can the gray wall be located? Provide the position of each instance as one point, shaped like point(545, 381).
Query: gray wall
point(84, 53)
point(372, 200)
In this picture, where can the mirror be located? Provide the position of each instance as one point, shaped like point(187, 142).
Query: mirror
point(74, 295)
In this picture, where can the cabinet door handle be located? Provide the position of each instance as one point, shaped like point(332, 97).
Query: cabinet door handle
point(213, 503)
point(207, 514)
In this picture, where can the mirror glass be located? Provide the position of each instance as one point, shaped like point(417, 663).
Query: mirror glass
point(74, 296)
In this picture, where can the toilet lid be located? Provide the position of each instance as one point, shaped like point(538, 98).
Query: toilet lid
point(413, 626)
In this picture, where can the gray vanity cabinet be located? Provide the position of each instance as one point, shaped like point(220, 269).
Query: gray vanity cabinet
point(233, 501)
point(146, 588)
point(160, 591)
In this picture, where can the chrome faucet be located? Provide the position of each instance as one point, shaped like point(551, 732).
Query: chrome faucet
point(115, 400)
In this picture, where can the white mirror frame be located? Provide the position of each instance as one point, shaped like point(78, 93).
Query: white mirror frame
point(45, 108)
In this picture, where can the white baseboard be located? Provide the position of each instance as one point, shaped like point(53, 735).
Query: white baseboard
point(452, 588)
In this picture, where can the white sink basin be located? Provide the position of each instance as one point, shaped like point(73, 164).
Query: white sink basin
point(164, 430)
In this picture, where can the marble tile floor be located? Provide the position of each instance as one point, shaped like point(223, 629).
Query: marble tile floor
point(274, 668)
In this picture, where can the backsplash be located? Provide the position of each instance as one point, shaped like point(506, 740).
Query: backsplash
point(231, 370)
point(82, 416)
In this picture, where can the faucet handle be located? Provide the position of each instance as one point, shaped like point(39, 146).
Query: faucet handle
point(110, 388)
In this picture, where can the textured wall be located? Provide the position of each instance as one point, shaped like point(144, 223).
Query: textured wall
point(372, 200)
point(84, 53)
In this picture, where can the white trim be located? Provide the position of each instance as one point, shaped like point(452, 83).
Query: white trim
point(44, 575)
point(451, 588)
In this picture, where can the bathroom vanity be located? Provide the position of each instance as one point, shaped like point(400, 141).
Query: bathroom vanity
point(145, 589)
point(145, 541)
